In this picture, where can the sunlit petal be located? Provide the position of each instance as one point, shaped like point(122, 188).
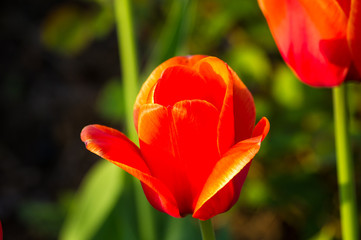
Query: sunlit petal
point(232, 163)
point(114, 146)
point(315, 47)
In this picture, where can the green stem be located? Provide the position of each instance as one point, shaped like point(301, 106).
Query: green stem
point(345, 174)
point(207, 230)
point(128, 60)
point(129, 66)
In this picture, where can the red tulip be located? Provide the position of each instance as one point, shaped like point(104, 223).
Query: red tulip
point(320, 40)
point(195, 122)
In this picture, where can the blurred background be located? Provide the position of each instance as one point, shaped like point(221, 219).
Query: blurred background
point(60, 71)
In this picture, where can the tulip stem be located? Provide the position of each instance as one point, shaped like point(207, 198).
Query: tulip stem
point(129, 66)
point(345, 174)
point(207, 230)
point(128, 61)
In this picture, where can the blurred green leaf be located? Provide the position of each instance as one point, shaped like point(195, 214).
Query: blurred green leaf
point(95, 199)
point(256, 193)
point(178, 229)
point(287, 90)
point(121, 223)
point(250, 62)
point(174, 33)
point(110, 102)
point(103, 21)
point(69, 29)
point(326, 233)
point(354, 100)
point(43, 218)
point(305, 197)
point(263, 106)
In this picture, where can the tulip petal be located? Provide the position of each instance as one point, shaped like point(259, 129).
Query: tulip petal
point(261, 129)
point(225, 198)
point(157, 149)
point(115, 147)
point(314, 46)
point(180, 83)
point(345, 5)
point(148, 85)
point(218, 70)
point(354, 36)
point(179, 144)
point(243, 108)
point(231, 164)
point(218, 77)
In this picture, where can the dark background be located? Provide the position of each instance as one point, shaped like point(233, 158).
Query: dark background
point(46, 99)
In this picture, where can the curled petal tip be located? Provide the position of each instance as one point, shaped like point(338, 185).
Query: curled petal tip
point(262, 128)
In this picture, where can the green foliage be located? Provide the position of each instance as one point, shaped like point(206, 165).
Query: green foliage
point(174, 33)
point(177, 229)
point(43, 218)
point(69, 29)
point(256, 193)
point(251, 61)
point(95, 199)
point(110, 103)
point(287, 89)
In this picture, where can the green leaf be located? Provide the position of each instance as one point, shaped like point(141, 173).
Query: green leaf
point(43, 218)
point(97, 196)
point(110, 102)
point(250, 62)
point(287, 89)
point(256, 193)
point(185, 228)
point(174, 33)
point(69, 29)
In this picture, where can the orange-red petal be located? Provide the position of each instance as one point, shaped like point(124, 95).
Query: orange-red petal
point(114, 146)
point(148, 85)
point(179, 83)
point(227, 168)
point(218, 77)
point(243, 108)
point(311, 36)
point(225, 198)
point(179, 144)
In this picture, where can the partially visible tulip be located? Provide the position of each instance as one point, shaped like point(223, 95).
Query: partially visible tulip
point(320, 40)
point(195, 122)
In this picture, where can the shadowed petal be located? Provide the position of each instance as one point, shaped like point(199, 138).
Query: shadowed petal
point(244, 109)
point(315, 47)
point(345, 5)
point(231, 164)
point(354, 36)
point(114, 146)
